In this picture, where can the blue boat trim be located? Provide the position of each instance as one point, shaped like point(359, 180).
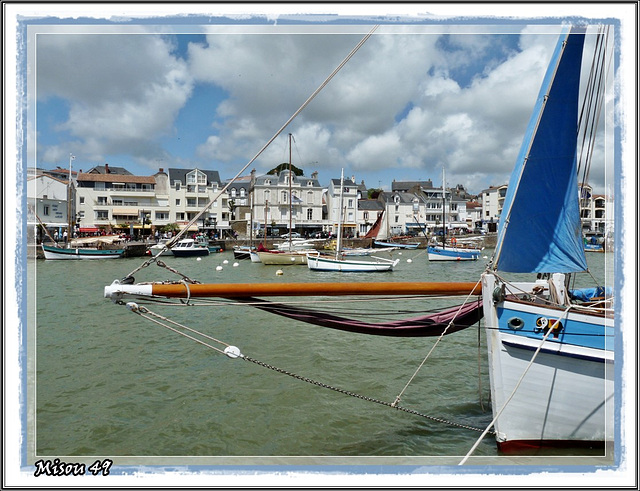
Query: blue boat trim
point(573, 330)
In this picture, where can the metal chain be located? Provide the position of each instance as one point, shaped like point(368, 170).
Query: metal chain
point(365, 398)
point(162, 264)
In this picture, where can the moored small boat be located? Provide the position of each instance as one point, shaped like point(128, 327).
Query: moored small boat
point(53, 252)
point(317, 262)
point(440, 253)
point(189, 248)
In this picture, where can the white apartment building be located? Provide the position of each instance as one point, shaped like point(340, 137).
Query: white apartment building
point(492, 200)
point(278, 203)
point(116, 201)
point(112, 199)
point(596, 211)
point(187, 193)
point(46, 200)
point(350, 196)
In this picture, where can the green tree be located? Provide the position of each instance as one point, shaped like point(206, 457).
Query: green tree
point(285, 166)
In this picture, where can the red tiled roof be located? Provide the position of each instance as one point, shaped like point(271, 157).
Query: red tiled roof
point(116, 178)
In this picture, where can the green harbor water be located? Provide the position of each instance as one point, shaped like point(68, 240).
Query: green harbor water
point(105, 383)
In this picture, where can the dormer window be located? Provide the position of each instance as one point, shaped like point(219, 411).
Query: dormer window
point(197, 177)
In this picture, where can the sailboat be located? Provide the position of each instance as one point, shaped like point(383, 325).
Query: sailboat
point(550, 351)
point(79, 252)
point(452, 252)
point(283, 257)
point(318, 262)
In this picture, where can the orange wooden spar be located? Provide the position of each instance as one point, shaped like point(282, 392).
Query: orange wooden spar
point(238, 290)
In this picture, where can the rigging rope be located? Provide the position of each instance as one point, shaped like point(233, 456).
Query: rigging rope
point(433, 347)
point(226, 186)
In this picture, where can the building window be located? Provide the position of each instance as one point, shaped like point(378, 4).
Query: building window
point(177, 201)
point(102, 200)
point(116, 202)
point(365, 215)
point(102, 215)
point(162, 215)
point(81, 200)
point(177, 185)
point(191, 202)
point(179, 216)
point(45, 210)
point(243, 192)
point(233, 192)
point(310, 198)
point(309, 213)
point(284, 196)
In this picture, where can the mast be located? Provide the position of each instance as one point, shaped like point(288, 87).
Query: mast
point(251, 219)
point(290, 196)
point(444, 223)
point(69, 196)
point(339, 245)
point(266, 207)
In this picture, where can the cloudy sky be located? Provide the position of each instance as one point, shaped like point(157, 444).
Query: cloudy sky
point(418, 96)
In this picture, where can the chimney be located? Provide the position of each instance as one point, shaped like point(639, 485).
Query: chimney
point(106, 169)
point(161, 169)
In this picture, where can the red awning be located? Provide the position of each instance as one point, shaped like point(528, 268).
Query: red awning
point(89, 229)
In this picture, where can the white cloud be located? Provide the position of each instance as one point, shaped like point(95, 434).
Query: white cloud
point(123, 91)
point(406, 103)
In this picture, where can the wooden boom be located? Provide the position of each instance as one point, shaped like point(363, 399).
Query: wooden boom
point(240, 290)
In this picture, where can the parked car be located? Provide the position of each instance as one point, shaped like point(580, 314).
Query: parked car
point(479, 230)
point(294, 235)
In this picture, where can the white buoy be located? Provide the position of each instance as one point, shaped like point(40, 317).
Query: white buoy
point(409, 260)
point(235, 265)
point(226, 261)
point(218, 268)
point(199, 259)
point(400, 254)
point(279, 272)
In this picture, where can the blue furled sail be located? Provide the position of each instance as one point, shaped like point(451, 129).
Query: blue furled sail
point(540, 229)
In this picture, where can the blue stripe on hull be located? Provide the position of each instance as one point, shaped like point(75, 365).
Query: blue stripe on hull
point(573, 331)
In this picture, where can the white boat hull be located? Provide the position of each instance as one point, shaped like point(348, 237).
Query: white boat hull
point(566, 396)
point(282, 258)
point(319, 263)
point(156, 250)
